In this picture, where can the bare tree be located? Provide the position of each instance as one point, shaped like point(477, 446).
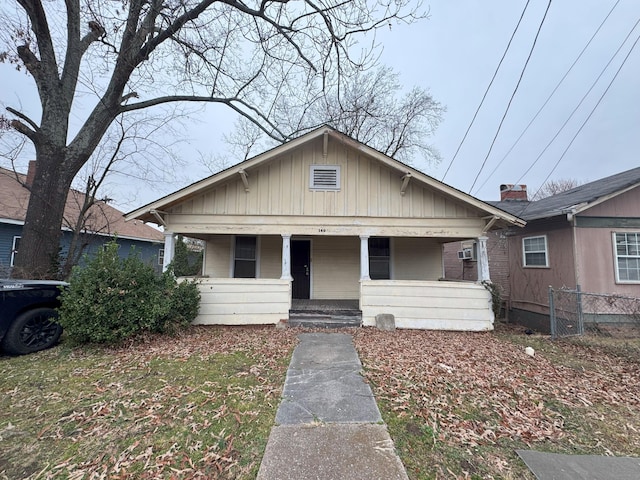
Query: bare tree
point(553, 187)
point(139, 54)
point(370, 107)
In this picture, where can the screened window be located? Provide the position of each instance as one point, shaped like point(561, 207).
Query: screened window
point(379, 258)
point(244, 265)
point(324, 177)
point(627, 249)
point(534, 251)
point(14, 249)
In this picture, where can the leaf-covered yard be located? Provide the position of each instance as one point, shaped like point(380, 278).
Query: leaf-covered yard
point(201, 405)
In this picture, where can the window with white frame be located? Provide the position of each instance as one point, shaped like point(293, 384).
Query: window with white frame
point(244, 262)
point(534, 251)
point(14, 249)
point(627, 256)
point(161, 256)
point(324, 177)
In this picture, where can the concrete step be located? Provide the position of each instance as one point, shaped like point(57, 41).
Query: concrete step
point(333, 319)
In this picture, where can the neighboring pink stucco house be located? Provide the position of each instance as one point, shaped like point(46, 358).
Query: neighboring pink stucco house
point(587, 236)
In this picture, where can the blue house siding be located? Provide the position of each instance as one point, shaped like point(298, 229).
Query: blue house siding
point(147, 251)
point(7, 233)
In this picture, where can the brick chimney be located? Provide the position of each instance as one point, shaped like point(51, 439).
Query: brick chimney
point(513, 192)
point(31, 173)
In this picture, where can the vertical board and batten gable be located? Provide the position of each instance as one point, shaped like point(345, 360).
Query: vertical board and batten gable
point(280, 186)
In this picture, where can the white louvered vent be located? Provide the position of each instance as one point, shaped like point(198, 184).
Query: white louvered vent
point(325, 177)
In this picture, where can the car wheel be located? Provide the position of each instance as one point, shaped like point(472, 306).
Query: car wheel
point(32, 331)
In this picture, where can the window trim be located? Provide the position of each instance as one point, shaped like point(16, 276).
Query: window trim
point(313, 186)
point(233, 256)
point(546, 252)
point(14, 249)
point(615, 258)
point(161, 256)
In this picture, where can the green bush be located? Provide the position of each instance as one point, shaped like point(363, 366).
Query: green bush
point(111, 299)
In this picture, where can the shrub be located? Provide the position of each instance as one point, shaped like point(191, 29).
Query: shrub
point(112, 298)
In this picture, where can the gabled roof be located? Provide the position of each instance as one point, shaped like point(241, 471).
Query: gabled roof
point(146, 212)
point(575, 200)
point(102, 219)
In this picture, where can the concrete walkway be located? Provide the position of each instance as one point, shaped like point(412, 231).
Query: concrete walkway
point(328, 425)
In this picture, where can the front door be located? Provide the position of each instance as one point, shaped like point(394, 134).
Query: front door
point(300, 268)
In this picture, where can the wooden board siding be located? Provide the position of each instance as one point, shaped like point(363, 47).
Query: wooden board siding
point(270, 256)
point(428, 305)
point(416, 259)
point(218, 257)
point(335, 268)
point(280, 187)
point(239, 301)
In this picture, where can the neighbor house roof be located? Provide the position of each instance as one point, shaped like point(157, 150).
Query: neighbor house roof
point(575, 200)
point(102, 219)
point(149, 211)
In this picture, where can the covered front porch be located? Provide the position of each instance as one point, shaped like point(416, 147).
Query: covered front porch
point(264, 279)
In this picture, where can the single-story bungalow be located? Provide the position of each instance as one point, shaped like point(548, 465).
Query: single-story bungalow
point(324, 218)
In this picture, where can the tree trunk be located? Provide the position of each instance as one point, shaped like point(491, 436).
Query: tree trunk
point(39, 252)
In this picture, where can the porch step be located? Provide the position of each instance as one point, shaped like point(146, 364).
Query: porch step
point(325, 319)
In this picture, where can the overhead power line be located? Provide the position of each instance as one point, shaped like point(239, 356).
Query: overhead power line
point(486, 91)
point(579, 103)
point(515, 90)
point(589, 117)
point(533, 119)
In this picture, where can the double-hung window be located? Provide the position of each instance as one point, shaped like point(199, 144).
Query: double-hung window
point(534, 251)
point(379, 258)
point(627, 257)
point(244, 262)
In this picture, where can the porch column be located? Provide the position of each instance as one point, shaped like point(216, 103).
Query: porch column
point(169, 249)
point(483, 260)
point(286, 258)
point(364, 257)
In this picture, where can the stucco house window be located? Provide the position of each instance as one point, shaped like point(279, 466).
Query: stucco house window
point(14, 249)
point(627, 257)
point(324, 177)
point(244, 262)
point(534, 251)
point(379, 258)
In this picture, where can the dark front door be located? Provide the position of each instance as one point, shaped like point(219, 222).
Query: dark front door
point(301, 268)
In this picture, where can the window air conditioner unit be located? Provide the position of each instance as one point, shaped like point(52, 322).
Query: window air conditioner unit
point(465, 254)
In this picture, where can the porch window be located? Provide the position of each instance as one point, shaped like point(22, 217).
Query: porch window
point(244, 264)
point(627, 257)
point(379, 258)
point(14, 250)
point(534, 251)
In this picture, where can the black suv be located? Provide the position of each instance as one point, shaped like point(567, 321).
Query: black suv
point(27, 315)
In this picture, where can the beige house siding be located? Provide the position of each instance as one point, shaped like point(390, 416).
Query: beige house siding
point(281, 187)
point(243, 301)
point(335, 268)
point(218, 256)
point(623, 205)
point(270, 256)
point(416, 259)
point(428, 305)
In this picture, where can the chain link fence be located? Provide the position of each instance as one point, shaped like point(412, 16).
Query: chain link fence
point(574, 312)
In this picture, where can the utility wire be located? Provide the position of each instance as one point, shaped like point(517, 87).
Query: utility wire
point(535, 40)
point(549, 97)
point(586, 120)
point(486, 91)
point(580, 103)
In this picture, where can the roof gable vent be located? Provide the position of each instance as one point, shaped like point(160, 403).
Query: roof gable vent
point(324, 177)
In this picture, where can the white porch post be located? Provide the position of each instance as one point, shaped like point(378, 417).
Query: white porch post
point(169, 250)
point(286, 258)
point(483, 260)
point(364, 257)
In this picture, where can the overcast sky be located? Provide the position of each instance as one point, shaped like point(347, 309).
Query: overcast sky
point(455, 54)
